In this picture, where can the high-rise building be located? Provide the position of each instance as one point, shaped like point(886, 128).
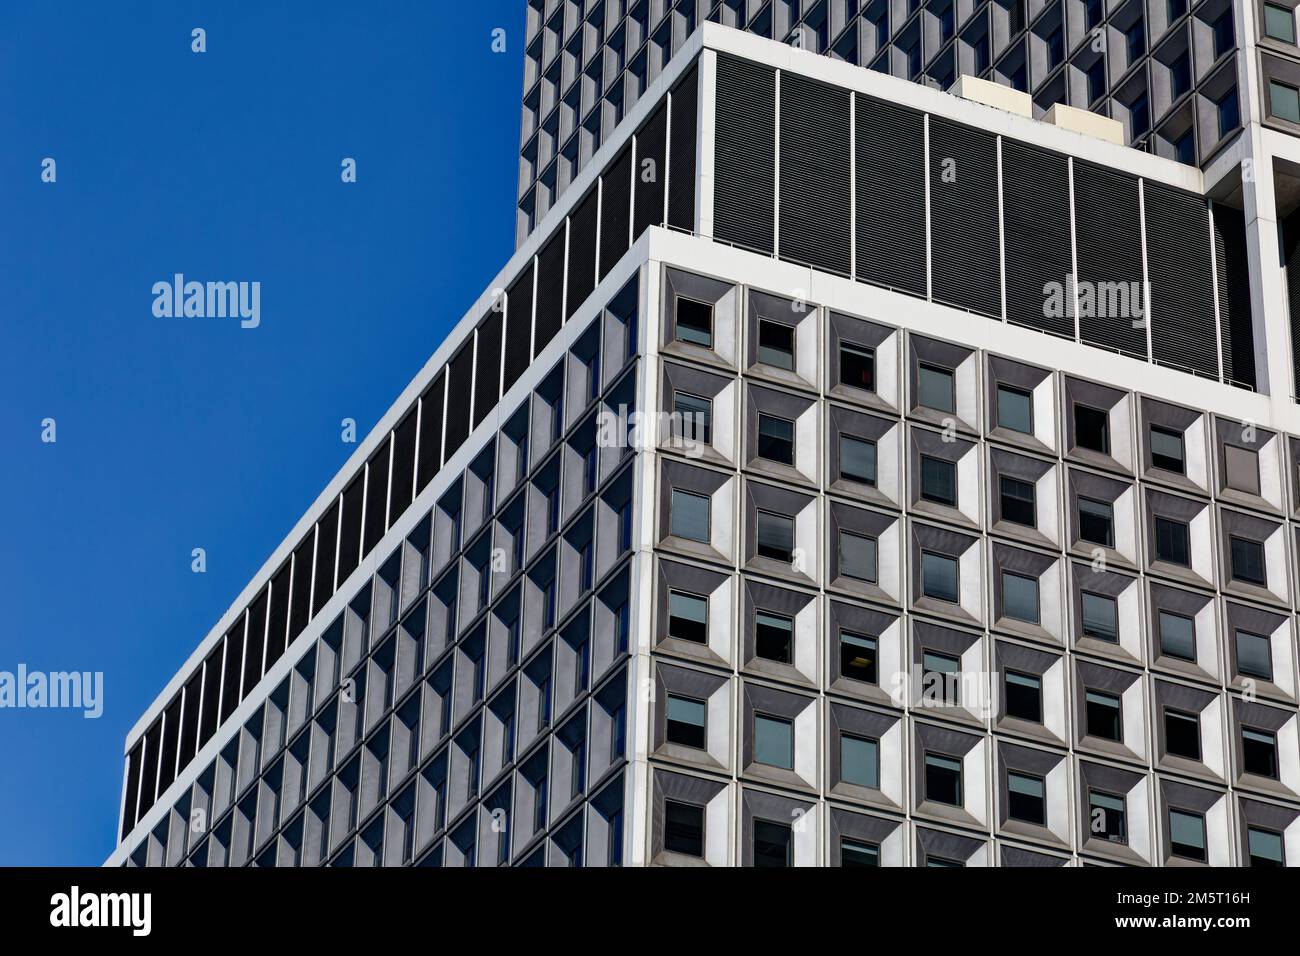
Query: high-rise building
point(841, 472)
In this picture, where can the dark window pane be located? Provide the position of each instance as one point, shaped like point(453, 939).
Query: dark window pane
point(775, 536)
point(1248, 561)
point(1092, 429)
point(1024, 697)
point(1279, 22)
point(1026, 798)
point(1265, 847)
point(690, 517)
point(1020, 597)
point(1103, 715)
point(1015, 409)
point(776, 439)
point(1167, 450)
point(857, 556)
point(1018, 501)
point(1187, 834)
point(858, 459)
point(683, 828)
point(935, 386)
point(688, 617)
point(859, 761)
point(772, 844)
point(1107, 817)
point(938, 481)
point(940, 678)
point(939, 577)
point(1100, 617)
point(695, 322)
point(858, 657)
point(1096, 522)
point(858, 367)
point(775, 344)
point(1259, 752)
point(1172, 543)
point(943, 779)
point(773, 741)
point(774, 637)
point(1254, 656)
point(692, 417)
point(1177, 635)
point(686, 721)
point(1182, 735)
point(853, 853)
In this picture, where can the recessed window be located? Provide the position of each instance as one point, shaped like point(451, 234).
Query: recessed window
point(1228, 108)
point(688, 617)
point(773, 741)
point(1241, 466)
point(935, 386)
point(1177, 635)
point(694, 322)
point(775, 344)
point(1225, 37)
point(938, 481)
point(1020, 597)
point(690, 516)
point(775, 536)
point(1100, 617)
point(1092, 429)
point(1259, 752)
point(940, 678)
point(1096, 522)
point(1264, 846)
point(1284, 101)
point(858, 657)
point(1182, 735)
point(1026, 798)
point(1107, 816)
point(857, 556)
point(939, 576)
point(860, 761)
point(683, 828)
point(858, 459)
point(773, 843)
point(692, 418)
point(1247, 561)
point(774, 637)
point(1172, 542)
point(1019, 501)
point(857, 853)
point(686, 718)
point(1102, 713)
point(776, 439)
point(858, 367)
point(1254, 655)
point(1023, 694)
point(943, 779)
point(1015, 409)
point(1187, 834)
point(1279, 23)
point(941, 862)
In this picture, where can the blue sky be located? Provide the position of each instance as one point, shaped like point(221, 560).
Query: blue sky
point(174, 434)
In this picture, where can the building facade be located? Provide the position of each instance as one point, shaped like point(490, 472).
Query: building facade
point(841, 472)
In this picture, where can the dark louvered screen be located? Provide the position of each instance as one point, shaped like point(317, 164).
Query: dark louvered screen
point(132, 787)
point(1235, 324)
point(615, 195)
point(376, 505)
point(964, 258)
point(234, 668)
point(550, 294)
point(1291, 257)
point(299, 601)
point(350, 531)
point(190, 717)
point(1036, 219)
point(744, 188)
point(681, 153)
point(171, 734)
point(149, 768)
point(519, 326)
point(211, 695)
point(460, 372)
point(327, 530)
point(815, 175)
point(651, 170)
point(582, 252)
point(1108, 236)
point(278, 625)
point(890, 161)
point(256, 650)
point(430, 431)
point(403, 482)
point(1181, 274)
point(487, 371)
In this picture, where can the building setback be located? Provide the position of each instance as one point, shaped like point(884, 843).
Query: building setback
point(841, 472)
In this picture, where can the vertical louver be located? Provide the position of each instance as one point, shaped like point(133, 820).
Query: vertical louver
point(1291, 259)
point(744, 198)
point(1036, 217)
point(890, 164)
point(1233, 281)
point(1183, 332)
point(964, 258)
point(460, 372)
point(1108, 234)
point(519, 326)
point(814, 193)
point(550, 296)
point(651, 168)
point(487, 373)
point(615, 185)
